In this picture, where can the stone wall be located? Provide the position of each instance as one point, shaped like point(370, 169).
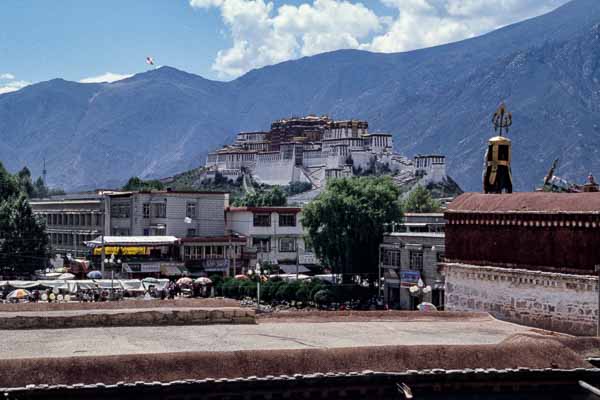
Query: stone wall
point(553, 301)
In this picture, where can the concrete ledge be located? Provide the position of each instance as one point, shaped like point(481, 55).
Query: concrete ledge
point(125, 317)
point(521, 352)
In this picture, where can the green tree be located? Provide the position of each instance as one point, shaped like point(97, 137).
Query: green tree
point(135, 183)
point(39, 188)
point(23, 240)
point(24, 180)
point(420, 201)
point(8, 184)
point(263, 198)
point(346, 222)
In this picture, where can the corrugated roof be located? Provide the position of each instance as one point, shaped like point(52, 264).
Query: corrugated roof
point(527, 202)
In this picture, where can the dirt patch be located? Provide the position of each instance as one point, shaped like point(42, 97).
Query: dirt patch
point(540, 352)
point(115, 305)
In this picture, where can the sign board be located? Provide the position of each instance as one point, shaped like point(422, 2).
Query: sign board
point(308, 258)
point(409, 278)
point(124, 250)
point(215, 264)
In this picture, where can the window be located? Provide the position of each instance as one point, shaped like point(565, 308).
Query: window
point(160, 210)
point(146, 210)
point(416, 260)
point(146, 232)
point(120, 210)
point(391, 258)
point(262, 244)
point(190, 210)
point(191, 232)
point(287, 245)
point(262, 219)
point(287, 220)
point(98, 219)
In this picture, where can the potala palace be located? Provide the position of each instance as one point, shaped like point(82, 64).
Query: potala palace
point(313, 149)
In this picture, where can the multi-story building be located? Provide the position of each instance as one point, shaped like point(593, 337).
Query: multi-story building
point(273, 234)
point(166, 213)
point(410, 254)
point(71, 220)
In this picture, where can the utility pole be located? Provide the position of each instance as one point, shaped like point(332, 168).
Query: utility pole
point(102, 251)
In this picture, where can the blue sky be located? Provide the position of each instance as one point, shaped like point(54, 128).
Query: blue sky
point(222, 39)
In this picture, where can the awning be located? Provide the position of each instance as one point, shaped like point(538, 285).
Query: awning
point(132, 241)
point(291, 268)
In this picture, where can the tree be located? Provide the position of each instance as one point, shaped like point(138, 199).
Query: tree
point(263, 198)
point(40, 189)
point(23, 240)
point(347, 221)
point(24, 180)
point(135, 183)
point(420, 201)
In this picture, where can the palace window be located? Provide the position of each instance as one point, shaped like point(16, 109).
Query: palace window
point(262, 219)
point(416, 260)
point(287, 245)
point(146, 210)
point(191, 232)
point(287, 219)
point(190, 210)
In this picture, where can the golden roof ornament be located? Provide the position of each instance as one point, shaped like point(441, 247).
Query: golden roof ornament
point(502, 119)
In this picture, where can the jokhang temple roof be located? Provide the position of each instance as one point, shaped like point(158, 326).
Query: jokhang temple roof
point(526, 202)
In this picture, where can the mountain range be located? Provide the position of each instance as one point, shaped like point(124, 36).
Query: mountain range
point(434, 100)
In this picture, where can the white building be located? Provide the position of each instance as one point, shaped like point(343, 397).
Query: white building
point(273, 234)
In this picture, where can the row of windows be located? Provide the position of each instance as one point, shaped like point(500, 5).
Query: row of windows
point(203, 252)
point(72, 219)
point(415, 257)
point(286, 245)
point(68, 239)
point(285, 220)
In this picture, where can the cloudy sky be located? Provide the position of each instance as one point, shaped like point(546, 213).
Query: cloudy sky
point(93, 41)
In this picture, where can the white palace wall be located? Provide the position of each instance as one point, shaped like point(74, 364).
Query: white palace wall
point(553, 301)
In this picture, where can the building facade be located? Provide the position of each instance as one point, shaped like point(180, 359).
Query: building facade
point(411, 253)
point(71, 221)
point(273, 234)
point(525, 257)
point(313, 149)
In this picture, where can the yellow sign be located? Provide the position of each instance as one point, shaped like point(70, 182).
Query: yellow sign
point(126, 251)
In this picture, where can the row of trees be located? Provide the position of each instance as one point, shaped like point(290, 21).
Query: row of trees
point(23, 241)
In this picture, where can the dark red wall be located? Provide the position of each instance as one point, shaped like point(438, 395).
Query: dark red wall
point(481, 239)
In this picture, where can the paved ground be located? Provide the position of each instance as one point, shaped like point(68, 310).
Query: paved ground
point(272, 335)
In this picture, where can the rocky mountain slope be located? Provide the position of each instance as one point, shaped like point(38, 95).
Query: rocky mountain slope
point(438, 100)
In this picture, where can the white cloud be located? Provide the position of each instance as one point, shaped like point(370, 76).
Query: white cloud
point(263, 34)
point(106, 77)
point(8, 83)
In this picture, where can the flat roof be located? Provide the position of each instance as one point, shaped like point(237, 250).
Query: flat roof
point(526, 202)
point(418, 234)
point(265, 209)
point(132, 241)
point(324, 332)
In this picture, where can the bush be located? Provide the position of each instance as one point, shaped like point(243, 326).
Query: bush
point(323, 296)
